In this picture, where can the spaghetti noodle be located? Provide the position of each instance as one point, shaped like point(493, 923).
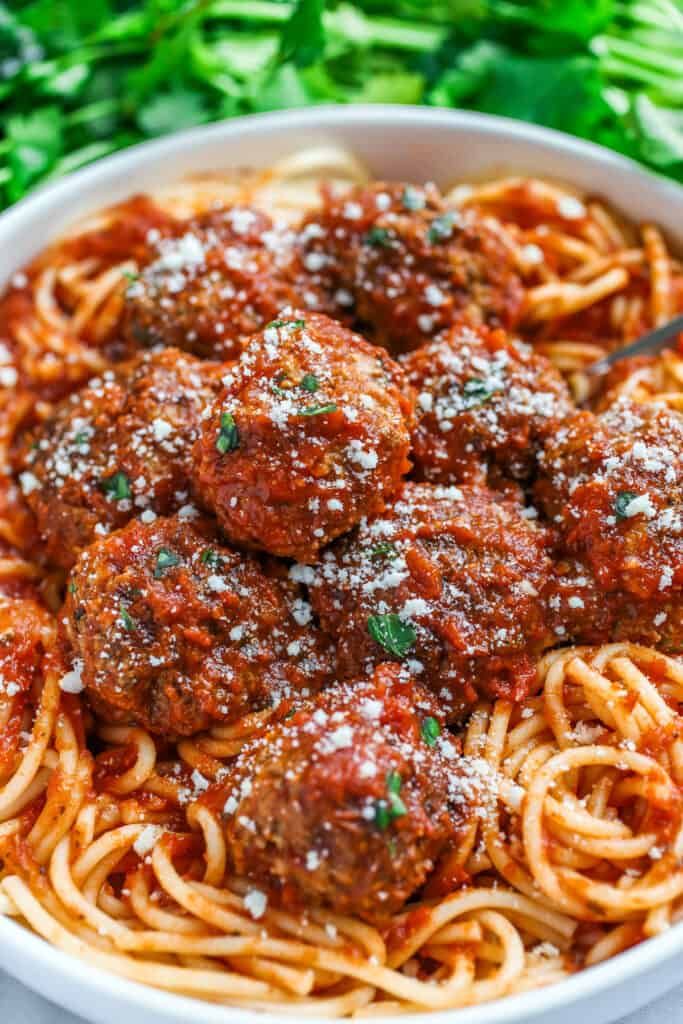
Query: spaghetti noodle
point(109, 849)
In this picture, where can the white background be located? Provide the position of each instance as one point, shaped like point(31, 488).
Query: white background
point(19, 1006)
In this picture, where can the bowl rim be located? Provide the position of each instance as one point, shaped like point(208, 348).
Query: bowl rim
point(18, 942)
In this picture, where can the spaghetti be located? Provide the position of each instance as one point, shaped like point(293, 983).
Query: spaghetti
point(110, 850)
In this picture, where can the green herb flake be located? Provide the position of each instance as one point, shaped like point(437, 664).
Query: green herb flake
point(309, 382)
point(412, 199)
point(210, 558)
point(131, 276)
point(624, 499)
point(293, 324)
point(477, 391)
point(378, 237)
point(393, 807)
point(116, 486)
point(319, 410)
point(72, 588)
point(430, 731)
point(228, 438)
point(127, 621)
point(441, 227)
point(392, 633)
point(166, 559)
point(383, 550)
point(81, 438)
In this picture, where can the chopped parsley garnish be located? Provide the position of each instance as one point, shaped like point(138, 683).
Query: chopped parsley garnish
point(441, 227)
point(430, 731)
point(131, 276)
point(477, 391)
point(412, 199)
point(228, 436)
point(210, 558)
point(309, 382)
point(392, 633)
point(393, 807)
point(116, 486)
point(624, 499)
point(319, 410)
point(383, 549)
point(72, 588)
point(82, 437)
point(126, 621)
point(166, 559)
point(286, 323)
point(378, 237)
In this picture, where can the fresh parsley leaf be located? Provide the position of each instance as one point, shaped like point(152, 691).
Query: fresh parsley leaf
point(430, 730)
point(127, 621)
point(116, 486)
point(319, 410)
point(228, 438)
point(441, 228)
point(623, 500)
point(166, 559)
point(383, 549)
point(477, 391)
point(210, 558)
point(302, 39)
point(34, 142)
point(309, 382)
point(393, 807)
point(172, 111)
point(286, 323)
point(392, 633)
point(378, 237)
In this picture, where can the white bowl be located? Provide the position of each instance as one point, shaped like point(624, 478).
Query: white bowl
point(395, 142)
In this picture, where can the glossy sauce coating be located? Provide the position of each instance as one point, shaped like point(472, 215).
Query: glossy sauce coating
point(218, 279)
point(404, 266)
point(450, 581)
point(483, 403)
point(350, 800)
point(172, 630)
point(120, 447)
point(311, 433)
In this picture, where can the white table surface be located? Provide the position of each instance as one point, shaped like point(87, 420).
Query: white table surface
point(19, 1006)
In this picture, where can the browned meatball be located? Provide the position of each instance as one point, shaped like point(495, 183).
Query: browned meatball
point(372, 790)
point(613, 484)
point(213, 284)
point(449, 580)
point(120, 447)
point(311, 433)
point(406, 267)
point(484, 403)
point(174, 631)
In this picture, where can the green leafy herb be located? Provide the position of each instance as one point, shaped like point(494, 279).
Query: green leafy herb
point(210, 558)
point(412, 199)
point(127, 622)
point(383, 549)
point(430, 730)
point(72, 588)
point(393, 807)
point(131, 276)
point(477, 391)
point(287, 323)
point(378, 237)
point(319, 410)
point(392, 633)
point(309, 382)
point(441, 227)
point(166, 559)
point(82, 437)
point(116, 486)
point(228, 438)
point(623, 500)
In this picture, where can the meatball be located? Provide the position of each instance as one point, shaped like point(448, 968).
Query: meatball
point(613, 485)
point(311, 434)
point(174, 631)
point(373, 791)
point(406, 266)
point(482, 401)
point(219, 279)
point(120, 447)
point(451, 581)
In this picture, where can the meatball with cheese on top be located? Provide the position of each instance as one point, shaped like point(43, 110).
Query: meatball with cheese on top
point(448, 580)
point(405, 266)
point(311, 434)
point(174, 631)
point(121, 447)
point(372, 787)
